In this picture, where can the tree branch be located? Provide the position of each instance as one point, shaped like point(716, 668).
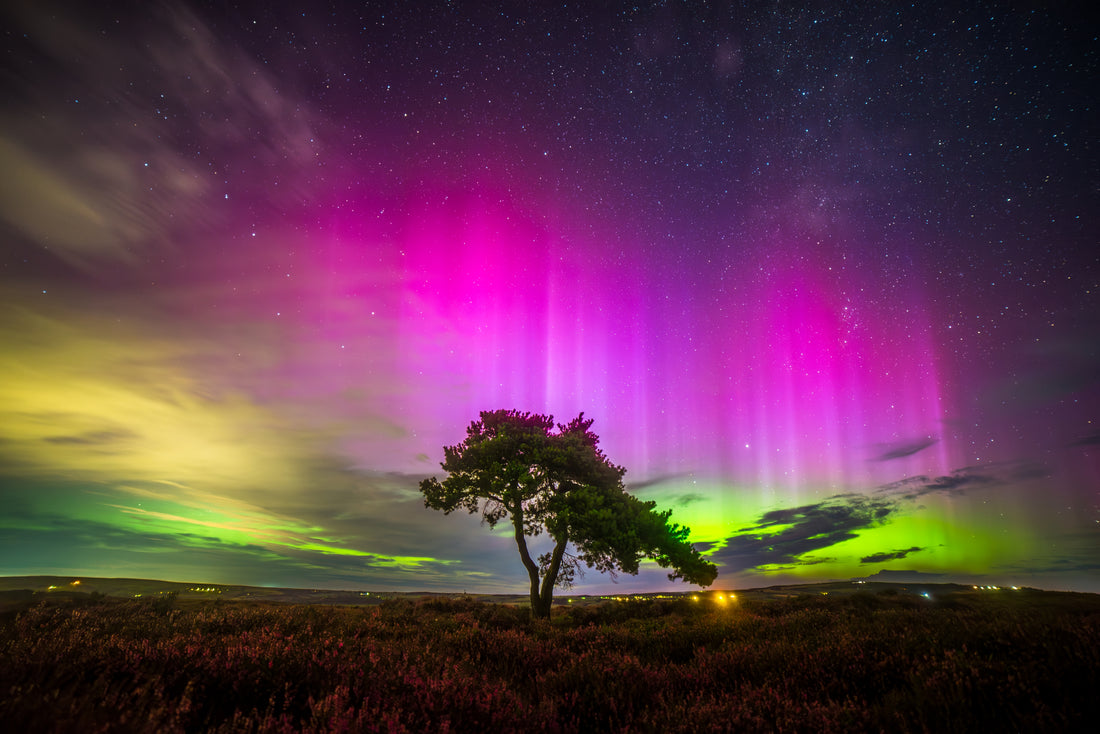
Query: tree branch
point(551, 576)
point(524, 554)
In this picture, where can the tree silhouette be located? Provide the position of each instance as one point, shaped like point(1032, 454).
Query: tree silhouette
point(514, 465)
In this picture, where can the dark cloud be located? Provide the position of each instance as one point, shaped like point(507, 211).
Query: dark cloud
point(1065, 564)
point(1076, 554)
point(653, 481)
point(385, 512)
point(956, 482)
point(808, 528)
point(906, 576)
point(903, 449)
point(1073, 565)
point(1029, 470)
point(801, 563)
point(1089, 439)
point(891, 556)
point(688, 498)
point(678, 500)
point(1047, 371)
point(92, 438)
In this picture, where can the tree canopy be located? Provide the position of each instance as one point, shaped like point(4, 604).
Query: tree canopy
point(515, 465)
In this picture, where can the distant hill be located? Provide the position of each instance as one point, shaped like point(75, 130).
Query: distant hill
point(137, 588)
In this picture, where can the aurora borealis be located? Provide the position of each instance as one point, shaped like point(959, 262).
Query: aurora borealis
point(827, 280)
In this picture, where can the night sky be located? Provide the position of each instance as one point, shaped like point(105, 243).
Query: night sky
point(827, 279)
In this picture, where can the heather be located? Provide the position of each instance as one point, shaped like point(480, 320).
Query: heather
point(864, 662)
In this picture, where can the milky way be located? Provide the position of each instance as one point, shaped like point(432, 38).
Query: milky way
point(826, 279)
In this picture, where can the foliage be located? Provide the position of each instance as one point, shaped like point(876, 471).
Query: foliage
point(456, 665)
point(514, 465)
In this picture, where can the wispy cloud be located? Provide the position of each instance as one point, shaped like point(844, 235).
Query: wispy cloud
point(1049, 370)
point(890, 556)
point(93, 438)
point(654, 481)
point(964, 479)
point(394, 543)
point(906, 448)
point(1089, 439)
point(94, 166)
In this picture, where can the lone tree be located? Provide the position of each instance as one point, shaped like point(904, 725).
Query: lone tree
point(513, 465)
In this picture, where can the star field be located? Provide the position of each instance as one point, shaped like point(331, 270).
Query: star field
point(826, 278)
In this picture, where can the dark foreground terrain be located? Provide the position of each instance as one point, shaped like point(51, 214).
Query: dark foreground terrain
point(963, 660)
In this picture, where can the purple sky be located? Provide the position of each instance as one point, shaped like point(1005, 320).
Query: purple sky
point(827, 281)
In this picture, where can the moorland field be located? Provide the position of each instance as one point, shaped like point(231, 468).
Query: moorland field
point(868, 659)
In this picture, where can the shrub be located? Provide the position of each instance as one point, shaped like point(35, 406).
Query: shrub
point(861, 663)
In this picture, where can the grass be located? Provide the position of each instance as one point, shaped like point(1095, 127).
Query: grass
point(1020, 661)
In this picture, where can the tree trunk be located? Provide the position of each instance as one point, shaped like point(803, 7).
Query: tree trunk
point(551, 577)
point(532, 568)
